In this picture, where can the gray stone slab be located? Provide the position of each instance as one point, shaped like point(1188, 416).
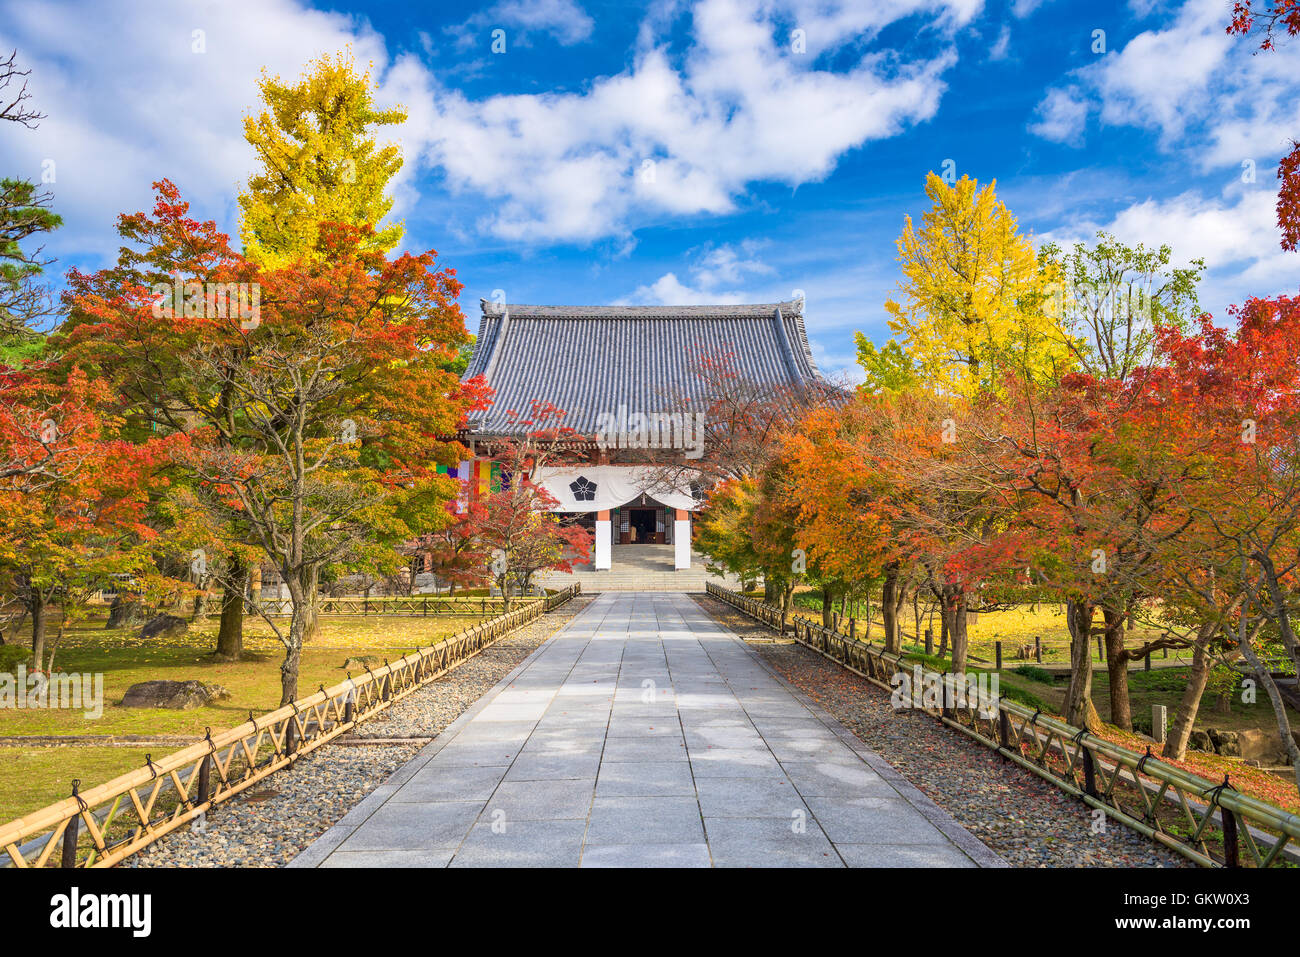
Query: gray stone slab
point(812, 749)
point(645, 820)
point(723, 736)
point(749, 797)
point(640, 727)
point(903, 855)
point(434, 783)
point(769, 842)
point(644, 734)
point(838, 778)
point(397, 858)
point(542, 800)
point(548, 765)
point(396, 827)
point(522, 844)
point(645, 779)
point(653, 748)
point(495, 731)
point(873, 820)
point(735, 763)
point(646, 855)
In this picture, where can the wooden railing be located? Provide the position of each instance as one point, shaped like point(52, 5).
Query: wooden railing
point(1212, 824)
point(137, 808)
point(419, 606)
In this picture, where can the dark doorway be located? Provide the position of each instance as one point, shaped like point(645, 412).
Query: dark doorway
point(641, 523)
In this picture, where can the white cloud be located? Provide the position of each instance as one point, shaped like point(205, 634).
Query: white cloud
point(713, 268)
point(668, 290)
point(129, 101)
point(1203, 92)
point(1062, 116)
point(1002, 45)
point(739, 107)
point(563, 20)
point(1235, 233)
point(728, 263)
point(728, 107)
point(1023, 8)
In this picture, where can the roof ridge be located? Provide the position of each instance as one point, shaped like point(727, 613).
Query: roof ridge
point(757, 310)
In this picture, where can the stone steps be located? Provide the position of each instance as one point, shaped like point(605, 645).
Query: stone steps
point(641, 568)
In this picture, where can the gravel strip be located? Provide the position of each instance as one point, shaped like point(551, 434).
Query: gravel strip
point(1026, 820)
point(270, 824)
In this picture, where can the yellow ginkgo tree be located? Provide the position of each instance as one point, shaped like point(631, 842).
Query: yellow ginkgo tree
point(320, 162)
point(974, 299)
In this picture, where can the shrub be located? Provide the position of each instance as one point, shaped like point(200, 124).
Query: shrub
point(1034, 673)
point(11, 656)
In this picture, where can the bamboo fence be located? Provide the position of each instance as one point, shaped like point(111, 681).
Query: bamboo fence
point(1211, 823)
point(135, 809)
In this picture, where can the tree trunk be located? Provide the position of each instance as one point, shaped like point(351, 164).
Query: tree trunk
point(289, 667)
point(787, 598)
point(1117, 659)
point(298, 591)
point(1244, 643)
point(40, 613)
point(890, 600)
point(954, 610)
point(1079, 709)
point(230, 632)
point(943, 632)
point(1185, 717)
point(916, 614)
point(311, 619)
point(828, 607)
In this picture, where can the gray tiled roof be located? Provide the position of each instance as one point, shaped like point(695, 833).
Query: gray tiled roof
point(592, 359)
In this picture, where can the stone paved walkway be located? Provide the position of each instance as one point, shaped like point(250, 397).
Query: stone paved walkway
point(646, 734)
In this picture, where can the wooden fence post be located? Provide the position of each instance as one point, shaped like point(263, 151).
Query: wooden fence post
point(929, 641)
point(70, 834)
point(1231, 853)
point(1038, 648)
point(205, 771)
point(997, 648)
point(1089, 772)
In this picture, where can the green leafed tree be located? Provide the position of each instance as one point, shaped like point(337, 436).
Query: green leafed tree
point(1111, 297)
point(25, 216)
point(888, 368)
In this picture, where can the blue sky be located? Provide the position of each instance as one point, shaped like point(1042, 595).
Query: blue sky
point(686, 152)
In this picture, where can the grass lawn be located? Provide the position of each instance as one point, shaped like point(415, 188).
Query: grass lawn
point(31, 777)
point(1014, 627)
point(1162, 685)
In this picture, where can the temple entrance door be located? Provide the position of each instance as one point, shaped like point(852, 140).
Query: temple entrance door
point(641, 525)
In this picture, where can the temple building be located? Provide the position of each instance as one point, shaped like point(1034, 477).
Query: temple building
point(628, 379)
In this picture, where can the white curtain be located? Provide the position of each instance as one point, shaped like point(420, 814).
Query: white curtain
point(614, 485)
